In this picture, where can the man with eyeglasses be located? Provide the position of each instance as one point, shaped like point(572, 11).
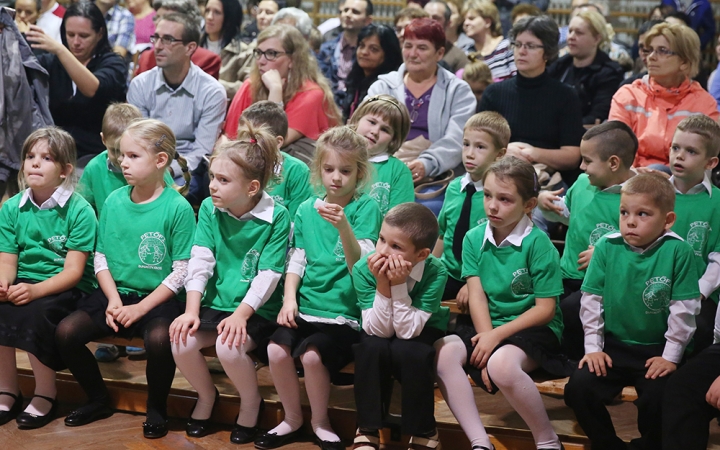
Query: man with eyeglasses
point(179, 93)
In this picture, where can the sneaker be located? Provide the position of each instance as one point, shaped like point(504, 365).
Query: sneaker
point(135, 351)
point(106, 353)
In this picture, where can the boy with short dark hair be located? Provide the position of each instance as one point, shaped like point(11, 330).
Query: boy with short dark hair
point(640, 298)
point(589, 209)
point(399, 289)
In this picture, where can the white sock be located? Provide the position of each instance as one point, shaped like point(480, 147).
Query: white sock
point(240, 368)
point(317, 385)
point(44, 385)
point(451, 356)
point(508, 368)
point(8, 377)
point(194, 368)
point(285, 379)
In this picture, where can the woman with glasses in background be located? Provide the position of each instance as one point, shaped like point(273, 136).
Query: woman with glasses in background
point(285, 72)
point(654, 105)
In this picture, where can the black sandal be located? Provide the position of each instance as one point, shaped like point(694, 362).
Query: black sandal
point(7, 416)
point(28, 421)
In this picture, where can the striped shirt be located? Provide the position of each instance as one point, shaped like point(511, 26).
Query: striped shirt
point(501, 61)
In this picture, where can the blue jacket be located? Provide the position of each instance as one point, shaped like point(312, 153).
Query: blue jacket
point(328, 63)
point(701, 16)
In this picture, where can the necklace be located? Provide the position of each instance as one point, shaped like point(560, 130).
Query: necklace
point(417, 103)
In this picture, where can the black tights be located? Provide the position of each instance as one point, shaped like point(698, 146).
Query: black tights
point(78, 329)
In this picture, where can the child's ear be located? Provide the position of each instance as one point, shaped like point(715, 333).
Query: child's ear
point(711, 163)
point(422, 254)
point(530, 205)
point(102, 138)
point(280, 141)
point(670, 220)
point(162, 160)
point(254, 188)
point(614, 163)
point(67, 170)
point(501, 153)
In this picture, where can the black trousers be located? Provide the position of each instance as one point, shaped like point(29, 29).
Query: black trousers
point(412, 363)
point(587, 394)
point(705, 323)
point(573, 337)
point(686, 414)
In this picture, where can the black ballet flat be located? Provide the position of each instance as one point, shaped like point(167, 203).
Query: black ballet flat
point(88, 414)
point(155, 430)
point(199, 428)
point(27, 421)
point(243, 435)
point(268, 441)
point(17, 407)
point(329, 445)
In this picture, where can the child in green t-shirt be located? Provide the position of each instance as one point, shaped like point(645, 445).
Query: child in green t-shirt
point(640, 298)
point(237, 260)
point(485, 140)
point(291, 185)
point(513, 278)
point(143, 247)
point(320, 317)
point(385, 122)
point(399, 289)
point(694, 152)
point(47, 233)
point(590, 210)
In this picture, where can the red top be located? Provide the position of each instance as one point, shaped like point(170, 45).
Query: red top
point(59, 11)
point(305, 112)
point(208, 61)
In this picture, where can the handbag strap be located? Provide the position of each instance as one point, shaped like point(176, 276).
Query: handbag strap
point(443, 181)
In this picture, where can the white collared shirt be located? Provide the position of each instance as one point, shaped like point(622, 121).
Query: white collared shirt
point(382, 157)
point(59, 198)
point(466, 179)
point(516, 236)
point(264, 210)
point(704, 186)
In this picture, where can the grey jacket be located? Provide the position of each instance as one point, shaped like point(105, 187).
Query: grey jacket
point(452, 103)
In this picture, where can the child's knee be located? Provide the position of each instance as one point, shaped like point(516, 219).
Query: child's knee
point(277, 353)
point(311, 357)
point(228, 353)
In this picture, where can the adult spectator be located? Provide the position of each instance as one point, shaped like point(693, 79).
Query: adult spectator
point(700, 13)
point(587, 68)
point(506, 8)
point(640, 68)
point(482, 25)
point(543, 113)
point(85, 75)
point(51, 16)
point(179, 93)
point(378, 53)
point(222, 37)
point(654, 106)
point(440, 12)
point(295, 17)
point(26, 14)
point(454, 29)
point(336, 57)
point(120, 26)
point(286, 72)
point(713, 79)
point(206, 60)
point(144, 15)
point(265, 13)
point(522, 10)
point(439, 103)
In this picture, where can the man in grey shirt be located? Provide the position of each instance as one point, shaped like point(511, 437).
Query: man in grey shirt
point(179, 93)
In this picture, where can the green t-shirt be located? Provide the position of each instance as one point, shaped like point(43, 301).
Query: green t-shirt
point(294, 185)
point(392, 184)
point(41, 238)
point(98, 181)
point(593, 214)
point(141, 241)
point(426, 294)
point(448, 218)
point(242, 248)
point(636, 301)
point(326, 289)
point(513, 276)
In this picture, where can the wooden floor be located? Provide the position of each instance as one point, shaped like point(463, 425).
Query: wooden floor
point(123, 431)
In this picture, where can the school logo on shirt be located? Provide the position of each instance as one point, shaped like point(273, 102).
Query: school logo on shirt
point(338, 251)
point(601, 229)
point(57, 245)
point(248, 271)
point(522, 283)
point(656, 295)
point(152, 250)
point(278, 200)
point(380, 192)
point(482, 221)
point(697, 236)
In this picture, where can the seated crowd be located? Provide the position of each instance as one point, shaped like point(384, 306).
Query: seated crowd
point(294, 197)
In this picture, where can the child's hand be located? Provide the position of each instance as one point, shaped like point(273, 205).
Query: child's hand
point(333, 213)
point(486, 379)
point(21, 293)
point(110, 311)
point(713, 394)
point(547, 199)
point(233, 330)
point(128, 315)
point(484, 344)
point(584, 258)
point(288, 312)
point(596, 363)
point(659, 367)
point(186, 324)
point(378, 266)
point(4, 291)
point(462, 300)
point(398, 269)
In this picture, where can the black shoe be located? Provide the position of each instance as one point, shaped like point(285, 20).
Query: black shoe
point(482, 447)
point(329, 445)
point(198, 428)
point(243, 435)
point(88, 414)
point(17, 407)
point(271, 440)
point(27, 421)
point(155, 430)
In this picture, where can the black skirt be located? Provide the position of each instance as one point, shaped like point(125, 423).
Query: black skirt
point(333, 341)
point(539, 343)
point(31, 327)
point(96, 304)
point(258, 328)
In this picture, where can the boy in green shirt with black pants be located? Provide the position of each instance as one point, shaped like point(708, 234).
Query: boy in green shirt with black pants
point(590, 210)
point(399, 288)
point(640, 298)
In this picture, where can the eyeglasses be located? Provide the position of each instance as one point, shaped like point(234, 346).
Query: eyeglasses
point(660, 51)
point(270, 55)
point(166, 40)
point(527, 46)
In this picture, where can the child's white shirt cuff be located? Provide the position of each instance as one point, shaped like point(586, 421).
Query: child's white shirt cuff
point(100, 262)
point(200, 268)
point(261, 288)
point(710, 280)
point(378, 320)
point(591, 315)
point(176, 279)
point(681, 327)
point(297, 262)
